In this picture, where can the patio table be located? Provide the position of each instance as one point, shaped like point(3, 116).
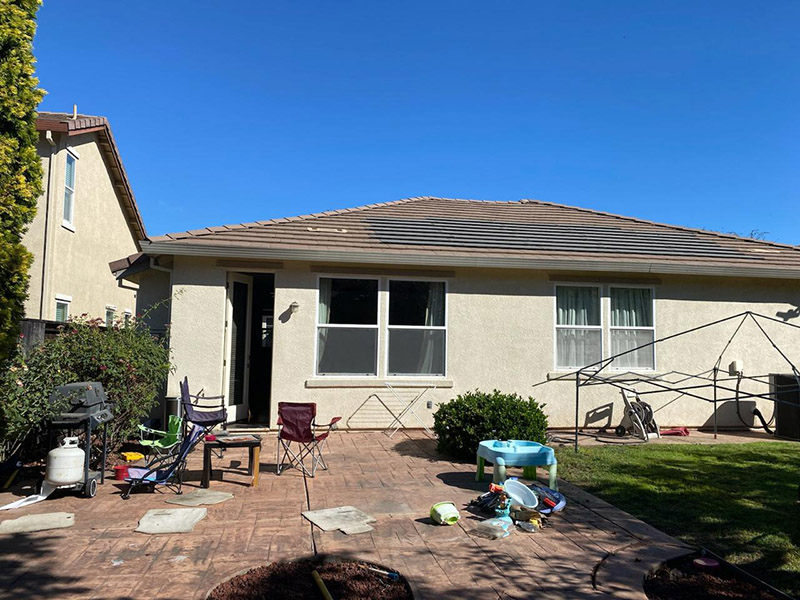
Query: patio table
point(251, 442)
point(516, 453)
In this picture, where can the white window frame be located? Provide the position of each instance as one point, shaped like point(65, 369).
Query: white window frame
point(62, 299)
point(113, 309)
point(376, 327)
point(652, 328)
point(70, 223)
point(420, 327)
point(128, 313)
point(556, 326)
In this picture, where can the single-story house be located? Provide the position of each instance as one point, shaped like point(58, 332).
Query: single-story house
point(454, 295)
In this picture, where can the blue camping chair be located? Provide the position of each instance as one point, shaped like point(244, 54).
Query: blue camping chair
point(165, 470)
point(205, 411)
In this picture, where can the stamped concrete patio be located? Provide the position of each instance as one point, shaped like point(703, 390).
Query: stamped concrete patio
point(591, 550)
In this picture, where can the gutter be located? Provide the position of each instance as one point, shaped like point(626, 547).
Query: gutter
point(438, 260)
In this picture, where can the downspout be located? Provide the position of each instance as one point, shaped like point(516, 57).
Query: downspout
point(47, 209)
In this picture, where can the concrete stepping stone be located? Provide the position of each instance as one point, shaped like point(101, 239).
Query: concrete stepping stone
point(43, 522)
point(199, 497)
point(171, 520)
point(347, 519)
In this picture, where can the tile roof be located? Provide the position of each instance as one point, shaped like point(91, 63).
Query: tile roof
point(525, 229)
point(64, 123)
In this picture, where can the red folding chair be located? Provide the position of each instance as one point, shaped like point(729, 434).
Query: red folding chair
point(296, 424)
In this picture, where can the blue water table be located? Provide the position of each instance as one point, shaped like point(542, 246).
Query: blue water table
point(516, 453)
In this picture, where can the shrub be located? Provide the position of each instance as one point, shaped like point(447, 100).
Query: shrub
point(129, 361)
point(463, 423)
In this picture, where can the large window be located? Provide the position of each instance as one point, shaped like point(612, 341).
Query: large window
point(417, 332)
point(579, 332)
point(69, 192)
point(632, 325)
point(347, 327)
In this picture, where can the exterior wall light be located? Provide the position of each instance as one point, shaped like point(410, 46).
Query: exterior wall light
point(294, 307)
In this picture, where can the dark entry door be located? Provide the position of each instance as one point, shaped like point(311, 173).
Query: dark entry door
point(238, 343)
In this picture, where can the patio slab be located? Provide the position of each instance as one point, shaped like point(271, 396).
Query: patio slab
point(198, 497)
point(397, 480)
point(41, 522)
point(170, 520)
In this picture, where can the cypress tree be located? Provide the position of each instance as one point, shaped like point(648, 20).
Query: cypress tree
point(20, 167)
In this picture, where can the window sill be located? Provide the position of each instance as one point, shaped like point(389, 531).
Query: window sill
point(374, 382)
point(69, 226)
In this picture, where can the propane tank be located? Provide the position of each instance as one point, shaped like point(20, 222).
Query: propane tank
point(65, 463)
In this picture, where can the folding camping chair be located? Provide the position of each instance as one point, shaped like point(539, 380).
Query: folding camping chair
point(205, 411)
point(165, 470)
point(162, 442)
point(296, 424)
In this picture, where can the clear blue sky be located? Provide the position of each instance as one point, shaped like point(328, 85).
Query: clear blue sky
point(682, 112)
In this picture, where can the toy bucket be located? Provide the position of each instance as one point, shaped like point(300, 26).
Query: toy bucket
point(121, 472)
point(445, 513)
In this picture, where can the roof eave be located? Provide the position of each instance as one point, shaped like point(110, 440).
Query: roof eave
point(444, 260)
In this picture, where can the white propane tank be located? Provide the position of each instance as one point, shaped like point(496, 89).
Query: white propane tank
point(65, 463)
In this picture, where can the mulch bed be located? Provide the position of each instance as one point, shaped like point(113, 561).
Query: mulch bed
point(681, 580)
point(345, 580)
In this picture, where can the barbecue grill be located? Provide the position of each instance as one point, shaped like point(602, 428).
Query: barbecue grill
point(87, 408)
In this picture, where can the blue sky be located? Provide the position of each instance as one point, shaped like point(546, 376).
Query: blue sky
point(681, 112)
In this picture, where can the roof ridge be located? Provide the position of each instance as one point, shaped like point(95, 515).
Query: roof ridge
point(729, 236)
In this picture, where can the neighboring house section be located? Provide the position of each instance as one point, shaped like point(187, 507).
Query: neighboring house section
point(458, 295)
point(86, 218)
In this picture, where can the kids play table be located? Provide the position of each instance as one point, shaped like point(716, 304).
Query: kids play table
point(516, 453)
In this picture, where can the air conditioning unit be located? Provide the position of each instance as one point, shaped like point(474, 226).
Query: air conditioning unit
point(786, 390)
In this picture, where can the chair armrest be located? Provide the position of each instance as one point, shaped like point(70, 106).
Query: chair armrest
point(143, 429)
point(330, 425)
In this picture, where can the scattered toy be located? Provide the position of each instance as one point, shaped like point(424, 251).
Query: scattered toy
point(445, 513)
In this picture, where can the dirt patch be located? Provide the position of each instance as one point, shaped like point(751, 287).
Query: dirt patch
point(345, 580)
point(681, 580)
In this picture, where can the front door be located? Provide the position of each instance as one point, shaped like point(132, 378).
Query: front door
point(237, 335)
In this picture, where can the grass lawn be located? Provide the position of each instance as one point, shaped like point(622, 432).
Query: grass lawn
point(738, 500)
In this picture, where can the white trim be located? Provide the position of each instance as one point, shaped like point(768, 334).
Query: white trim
point(441, 260)
point(618, 328)
point(70, 222)
point(71, 150)
point(556, 326)
point(128, 311)
point(64, 297)
point(389, 327)
point(111, 307)
point(236, 411)
point(60, 299)
point(376, 327)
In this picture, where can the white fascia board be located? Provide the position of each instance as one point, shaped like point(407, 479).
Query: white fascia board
point(438, 260)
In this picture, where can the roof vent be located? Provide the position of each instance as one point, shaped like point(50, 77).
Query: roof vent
point(327, 230)
point(765, 250)
point(74, 111)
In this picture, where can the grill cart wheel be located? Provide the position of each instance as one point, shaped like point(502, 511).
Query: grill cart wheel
point(90, 490)
point(620, 431)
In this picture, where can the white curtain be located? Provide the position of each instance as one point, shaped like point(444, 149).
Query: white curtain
point(324, 314)
point(434, 316)
point(632, 308)
point(577, 306)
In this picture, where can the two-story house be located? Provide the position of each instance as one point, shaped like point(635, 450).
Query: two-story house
point(86, 218)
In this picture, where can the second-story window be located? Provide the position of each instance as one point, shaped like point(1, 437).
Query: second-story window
point(69, 191)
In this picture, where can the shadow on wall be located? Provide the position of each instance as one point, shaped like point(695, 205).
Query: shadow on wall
point(790, 314)
point(726, 414)
point(600, 417)
point(24, 572)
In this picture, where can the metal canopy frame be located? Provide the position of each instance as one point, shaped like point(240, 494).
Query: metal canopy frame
point(684, 384)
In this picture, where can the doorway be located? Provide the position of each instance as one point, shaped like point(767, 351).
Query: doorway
point(249, 323)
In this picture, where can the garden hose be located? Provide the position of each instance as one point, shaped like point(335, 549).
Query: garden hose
point(756, 412)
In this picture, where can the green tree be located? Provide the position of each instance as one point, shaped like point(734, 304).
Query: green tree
point(20, 168)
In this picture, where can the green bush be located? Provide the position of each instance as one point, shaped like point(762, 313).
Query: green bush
point(463, 423)
point(20, 167)
point(128, 360)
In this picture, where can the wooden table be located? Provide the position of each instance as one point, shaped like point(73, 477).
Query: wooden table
point(251, 442)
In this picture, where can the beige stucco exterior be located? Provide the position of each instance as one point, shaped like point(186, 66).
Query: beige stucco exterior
point(500, 334)
point(73, 262)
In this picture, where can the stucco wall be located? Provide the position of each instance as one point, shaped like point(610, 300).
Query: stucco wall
point(78, 264)
point(500, 335)
point(34, 236)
